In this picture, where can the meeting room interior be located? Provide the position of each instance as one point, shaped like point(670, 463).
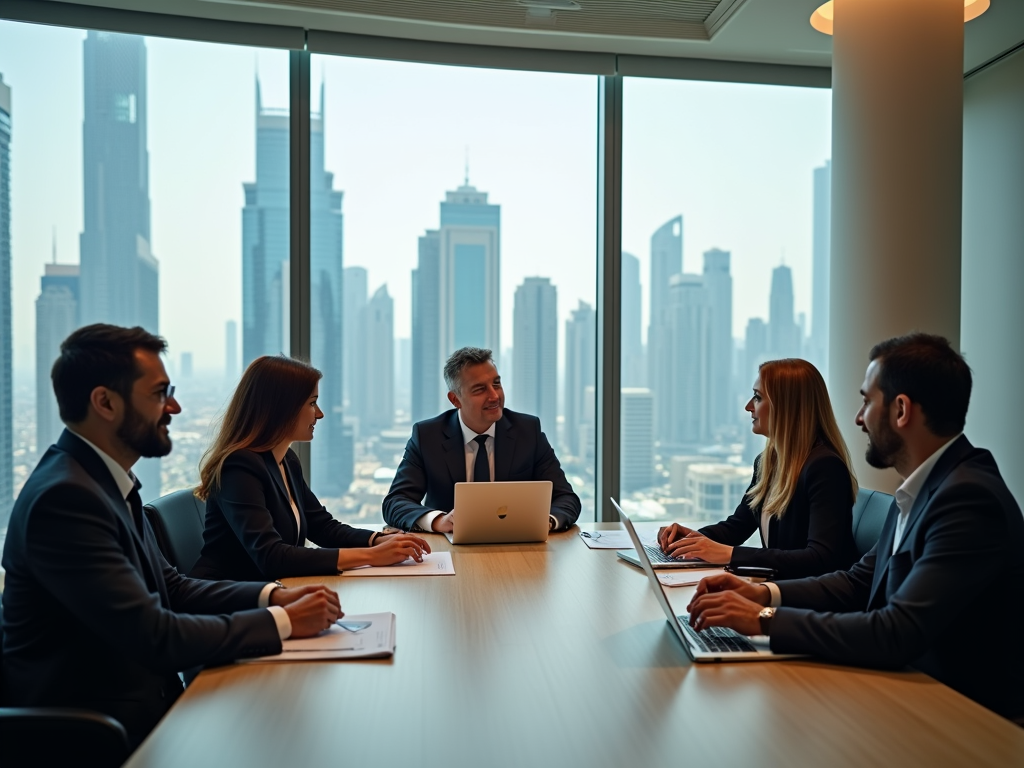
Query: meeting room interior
point(631, 207)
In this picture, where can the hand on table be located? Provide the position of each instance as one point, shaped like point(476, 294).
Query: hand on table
point(396, 547)
point(444, 523)
point(311, 609)
point(697, 546)
point(671, 534)
point(728, 601)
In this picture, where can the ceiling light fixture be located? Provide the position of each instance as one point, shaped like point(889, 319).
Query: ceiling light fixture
point(551, 5)
point(821, 19)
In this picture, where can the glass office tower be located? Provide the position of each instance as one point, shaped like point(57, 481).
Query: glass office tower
point(535, 352)
point(57, 315)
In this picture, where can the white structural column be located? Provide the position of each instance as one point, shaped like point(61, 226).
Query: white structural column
point(897, 112)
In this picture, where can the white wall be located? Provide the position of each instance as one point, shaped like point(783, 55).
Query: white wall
point(992, 320)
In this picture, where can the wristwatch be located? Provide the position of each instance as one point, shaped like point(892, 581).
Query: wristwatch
point(766, 620)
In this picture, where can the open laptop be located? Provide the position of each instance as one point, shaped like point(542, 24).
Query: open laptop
point(501, 513)
point(713, 644)
point(659, 559)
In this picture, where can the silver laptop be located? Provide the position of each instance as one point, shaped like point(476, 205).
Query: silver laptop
point(501, 513)
point(714, 644)
point(659, 559)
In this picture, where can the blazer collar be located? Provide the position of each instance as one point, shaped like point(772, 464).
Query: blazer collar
point(93, 464)
point(275, 474)
point(953, 455)
point(454, 447)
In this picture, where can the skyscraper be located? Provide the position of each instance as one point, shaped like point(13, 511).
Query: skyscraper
point(718, 288)
point(376, 408)
point(666, 261)
point(580, 374)
point(636, 455)
point(231, 372)
point(119, 277)
point(686, 405)
point(820, 266)
point(57, 315)
point(535, 351)
point(428, 391)
point(265, 279)
point(355, 293)
point(633, 373)
point(6, 362)
point(783, 332)
point(470, 271)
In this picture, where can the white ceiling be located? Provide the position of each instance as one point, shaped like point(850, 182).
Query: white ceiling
point(772, 31)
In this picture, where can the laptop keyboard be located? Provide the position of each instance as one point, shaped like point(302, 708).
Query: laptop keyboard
point(657, 556)
point(717, 639)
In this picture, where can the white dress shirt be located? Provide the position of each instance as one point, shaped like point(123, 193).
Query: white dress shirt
point(906, 494)
point(126, 482)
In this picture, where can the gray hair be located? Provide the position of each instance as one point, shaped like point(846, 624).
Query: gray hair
point(459, 361)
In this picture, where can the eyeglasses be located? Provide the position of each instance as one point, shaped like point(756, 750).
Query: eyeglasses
point(167, 394)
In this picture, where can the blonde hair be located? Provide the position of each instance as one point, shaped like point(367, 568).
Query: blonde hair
point(801, 415)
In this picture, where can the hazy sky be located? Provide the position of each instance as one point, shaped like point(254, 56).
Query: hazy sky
point(736, 161)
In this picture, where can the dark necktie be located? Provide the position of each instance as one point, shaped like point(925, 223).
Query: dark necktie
point(481, 470)
point(135, 502)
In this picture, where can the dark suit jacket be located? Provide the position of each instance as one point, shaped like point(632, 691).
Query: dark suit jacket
point(957, 572)
point(814, 535)
point(250, 530)
point(435, 460)
point(94, 616)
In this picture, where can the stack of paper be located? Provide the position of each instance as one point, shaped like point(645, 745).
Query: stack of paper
point(686, 577)
point(367, 636)
point(434, 564)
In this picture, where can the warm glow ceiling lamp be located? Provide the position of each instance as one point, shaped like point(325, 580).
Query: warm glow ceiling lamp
point(821, 19)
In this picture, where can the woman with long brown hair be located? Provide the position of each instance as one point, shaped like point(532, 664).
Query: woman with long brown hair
point(259, 510)
point(803, 489)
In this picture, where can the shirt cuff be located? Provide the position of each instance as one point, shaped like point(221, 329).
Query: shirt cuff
point(426, 520)
point(776, 593)
point(284, 624)
point(553, 522)
point(264, 601)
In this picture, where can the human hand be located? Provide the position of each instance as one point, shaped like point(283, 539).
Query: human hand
point(725, 609)
point(395, 548)
point(670, 534)
point(313, 611)
point(697, 546)
point(727, 582)
point(444, 523)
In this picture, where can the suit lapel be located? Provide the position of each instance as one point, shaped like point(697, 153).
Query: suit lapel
point(883, 551)
point(300, 539)
point(504, 448)
point(454, 448)
point(278, 481)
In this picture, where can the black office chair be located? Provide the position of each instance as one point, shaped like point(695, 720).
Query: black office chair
point(869, 513)
point(34, 736)
point(178, 520)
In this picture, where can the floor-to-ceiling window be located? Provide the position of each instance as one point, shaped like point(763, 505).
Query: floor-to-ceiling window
point(449, 207)
point(725, 232)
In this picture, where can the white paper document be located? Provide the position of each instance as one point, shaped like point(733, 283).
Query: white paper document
point(686, 578)
point(606, 539)
point(434, 564)
point(365, 636)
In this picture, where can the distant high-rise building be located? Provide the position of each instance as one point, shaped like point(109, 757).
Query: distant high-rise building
point(686, 404)
point(470, 271)
point(535, 351)
point(755, 350)
point(666, 261)
point(6, 337)
point(265, 279)
point(403, 377)
point(356, 291)
point(783, 332)
point(633, 371)
point(231, 372)
point(186, 365)
point(820, 266)
point(428, 391)
point(636, 440)
point(119, 274)
point(580, 374)
point(718, 288)
point(57, 315)
point(376, 406)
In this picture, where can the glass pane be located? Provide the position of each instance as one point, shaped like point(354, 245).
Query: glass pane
point(724, 265)
point(458, 207)
point(124, 197)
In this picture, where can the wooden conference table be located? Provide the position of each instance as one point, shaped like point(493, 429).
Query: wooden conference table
point(556, 655)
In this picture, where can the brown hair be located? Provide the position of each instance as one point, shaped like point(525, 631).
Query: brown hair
point(261, 413)
point(801, 415)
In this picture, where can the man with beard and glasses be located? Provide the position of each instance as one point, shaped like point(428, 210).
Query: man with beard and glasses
point(94, 616)
point(949, 555)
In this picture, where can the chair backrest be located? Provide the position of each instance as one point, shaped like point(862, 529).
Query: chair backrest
point(869, 515)
point(178, 520)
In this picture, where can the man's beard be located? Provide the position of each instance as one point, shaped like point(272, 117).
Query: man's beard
point(883, 448)
point(145, 439)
